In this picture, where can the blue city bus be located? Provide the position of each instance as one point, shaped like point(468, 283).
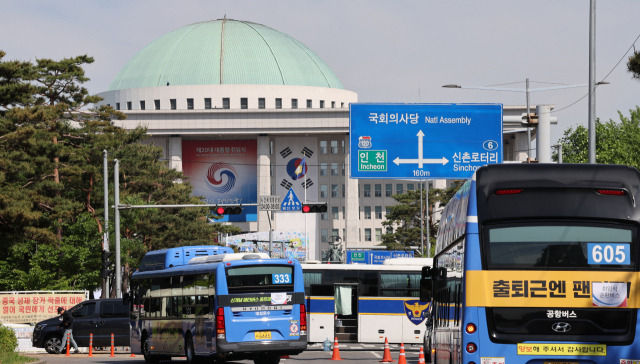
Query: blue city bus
point(222, 307)
point(537, 263)
point(366, 303)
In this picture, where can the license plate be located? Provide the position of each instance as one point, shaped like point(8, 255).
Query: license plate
point(263, 335)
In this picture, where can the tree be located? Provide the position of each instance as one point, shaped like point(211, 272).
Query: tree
point(616, 143)
point(405, 218)
point(634, 64)
point(51, 195)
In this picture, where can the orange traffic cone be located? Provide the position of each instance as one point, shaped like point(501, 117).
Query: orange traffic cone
point(421, 356)
point(68, 339)
point(403, 358)
point(336, 350)
point(90, 345)
point(387, 353)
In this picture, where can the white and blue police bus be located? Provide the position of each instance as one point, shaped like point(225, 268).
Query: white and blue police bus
point(222, 307)
point(366, 303)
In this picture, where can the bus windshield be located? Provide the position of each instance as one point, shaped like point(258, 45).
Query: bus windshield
point(260, 278)
point(542, 245)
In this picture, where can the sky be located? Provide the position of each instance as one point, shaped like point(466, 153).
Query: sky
point(384, 50)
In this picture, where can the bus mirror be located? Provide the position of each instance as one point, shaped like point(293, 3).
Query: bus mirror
point(125, 298)
point(426, 272)
point(426, 289)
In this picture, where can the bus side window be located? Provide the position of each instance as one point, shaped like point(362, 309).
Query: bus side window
point(426, 285)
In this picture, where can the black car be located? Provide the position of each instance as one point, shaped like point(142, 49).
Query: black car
point(98, 317)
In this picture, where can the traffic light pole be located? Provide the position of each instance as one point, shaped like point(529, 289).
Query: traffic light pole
point(116, 200)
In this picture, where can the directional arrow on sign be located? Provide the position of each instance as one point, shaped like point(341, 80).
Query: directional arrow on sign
point(421, 161)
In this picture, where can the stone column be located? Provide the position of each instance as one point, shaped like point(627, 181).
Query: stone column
point(264, 178)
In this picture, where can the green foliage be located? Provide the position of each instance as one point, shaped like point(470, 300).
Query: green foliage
point(616, 143)
point(634, 64)
point(51, 182)
point(8, 340)
point(403, 220)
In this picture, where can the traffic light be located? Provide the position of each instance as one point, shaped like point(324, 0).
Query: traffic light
point(314, 208)
point(106, 270)
point(228, 210)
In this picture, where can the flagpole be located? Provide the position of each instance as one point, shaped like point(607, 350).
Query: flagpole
point(306, 235)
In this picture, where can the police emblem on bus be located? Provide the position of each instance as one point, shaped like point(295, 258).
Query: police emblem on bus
point(364, 142)
point(416, 311)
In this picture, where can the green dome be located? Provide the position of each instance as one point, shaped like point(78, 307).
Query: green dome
point(225, 52)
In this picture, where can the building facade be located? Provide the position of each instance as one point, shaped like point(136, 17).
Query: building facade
point(246, 111)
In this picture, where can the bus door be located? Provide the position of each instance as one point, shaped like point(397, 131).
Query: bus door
point(346, 312)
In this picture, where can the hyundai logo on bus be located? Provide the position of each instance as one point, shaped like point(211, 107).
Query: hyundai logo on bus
point(561, 327)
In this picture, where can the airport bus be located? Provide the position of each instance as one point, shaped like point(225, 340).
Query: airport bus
point(220, 306)
point(537, 263)
point(365, 303)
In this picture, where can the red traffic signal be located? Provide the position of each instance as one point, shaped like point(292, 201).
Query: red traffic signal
point(314, 208)
point(228, 210)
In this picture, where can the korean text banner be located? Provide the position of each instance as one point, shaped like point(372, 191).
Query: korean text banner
point(423, 141)
point(223, 172)
point(34, 307)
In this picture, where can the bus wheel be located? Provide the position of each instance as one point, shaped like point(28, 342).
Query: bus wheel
point(146, 351)
point(267, 360)
point(188, 350)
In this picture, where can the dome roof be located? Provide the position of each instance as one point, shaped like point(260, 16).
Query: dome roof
point(225, 52)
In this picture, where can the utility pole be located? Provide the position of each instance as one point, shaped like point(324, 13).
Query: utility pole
point(592, 78)
point(116, 201)
point(105, 241)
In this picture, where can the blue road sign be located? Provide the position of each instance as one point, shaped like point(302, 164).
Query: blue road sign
point(291, 202)
point(423, 141)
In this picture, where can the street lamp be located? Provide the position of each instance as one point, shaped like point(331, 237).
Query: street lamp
point(526, 90)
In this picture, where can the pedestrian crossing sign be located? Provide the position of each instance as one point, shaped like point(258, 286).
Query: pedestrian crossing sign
point(291, 202)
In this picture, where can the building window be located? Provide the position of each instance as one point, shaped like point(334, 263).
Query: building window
point(344, 150)
point(323, 191)
point(334, 147)
point(322, 104)
point(367, 212)
point(323, 147)
point(334, 191)
point(278, 103)
point(388, 190)
point(378, 234)
point(378, 211)
point(333, 104)
point(344, 191)
point(399, 188)
point(323, 169)
point(324, 234)
point(309, 104)
point(367, 234)
point(323, 216)
point(367, 190)
point(129, 105)
point(344, 167)
point(335, 212)
point(342, 105)
point(117, 106)
point(377, 190)
point(156, 104)
point(271, 146)
point(261, 103)
point(142, 107)
point(410, 187)
point(226, 104)
point(334, 169)
point(173, 103)
point(207, 103)
point(294, 103)
point(189, 104)
point(334, 234)
point(244, 103)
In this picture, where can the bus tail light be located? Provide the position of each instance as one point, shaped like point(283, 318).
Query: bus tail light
point(471, 328)
point(303, 319)
point(509, 191)
point(612, 192)
point(221, 334)
point(471, 348)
